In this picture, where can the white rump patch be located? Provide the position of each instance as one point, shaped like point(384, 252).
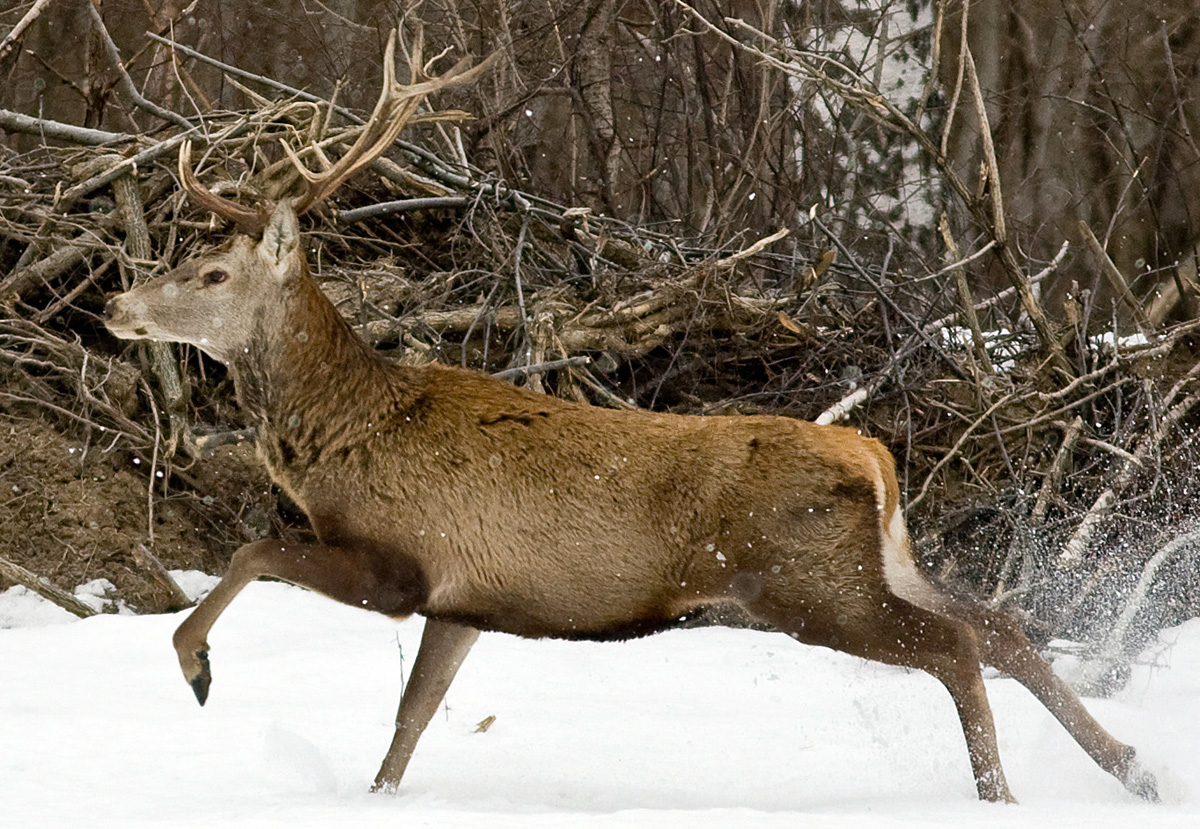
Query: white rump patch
point(899, 569)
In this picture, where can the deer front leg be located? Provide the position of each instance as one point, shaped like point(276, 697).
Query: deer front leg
point(346, 575)
point(444, 646)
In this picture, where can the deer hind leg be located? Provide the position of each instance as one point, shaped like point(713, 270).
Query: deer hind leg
point(1005, 647)
point(954, 660)
point(388, 585)
point(444, 646)
point(899, 633)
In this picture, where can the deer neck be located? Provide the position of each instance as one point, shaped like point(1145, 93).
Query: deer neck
point(307, 381)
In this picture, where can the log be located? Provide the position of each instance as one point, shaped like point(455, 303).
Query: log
point(44, 588)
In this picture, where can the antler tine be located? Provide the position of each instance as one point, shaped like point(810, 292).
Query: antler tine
point(248, 221)
point(416, 55)
point(396, 106)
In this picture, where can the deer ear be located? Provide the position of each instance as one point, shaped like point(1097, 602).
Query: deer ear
point(281, 238)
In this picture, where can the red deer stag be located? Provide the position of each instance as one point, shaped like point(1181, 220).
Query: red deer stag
point(483, 506)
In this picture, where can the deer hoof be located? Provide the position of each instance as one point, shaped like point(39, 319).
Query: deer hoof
point(197, 673)
point(383, 785)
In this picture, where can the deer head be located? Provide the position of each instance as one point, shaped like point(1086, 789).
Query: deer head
point(217, 302)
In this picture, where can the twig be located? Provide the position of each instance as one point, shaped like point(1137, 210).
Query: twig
point(1053, 479)
point(964, 296)
point(126, 82)
point(758, 247)
point(154, 568)
point(1072, 552)
point(526, 320)
point(1018, 548)
point(856, 398)
point(44, 588)
point(291, 91)
point(918, 329)
point(1001, 297)
point(207, 443)
point(374, 211)
point(1116, 279)
point(999, 226)
point(541, 368)
point(11, 38)
point(604, 394)
point(1115, 450)
point(952, 109)
point(1046, 417)
point(18, 398)
point(949, 456)
point(53, 309)
point(966, 260)
point(841, 409)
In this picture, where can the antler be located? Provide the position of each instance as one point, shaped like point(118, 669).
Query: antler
point(396, 106)
point(247, 220)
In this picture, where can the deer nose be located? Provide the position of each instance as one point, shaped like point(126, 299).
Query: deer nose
point(110, 309)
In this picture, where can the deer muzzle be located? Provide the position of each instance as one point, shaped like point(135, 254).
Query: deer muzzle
point(121, 322)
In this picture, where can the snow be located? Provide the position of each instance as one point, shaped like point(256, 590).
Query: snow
point(20, 606)
point(692, 728)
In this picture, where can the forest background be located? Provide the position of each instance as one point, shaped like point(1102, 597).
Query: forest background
point(966, 228)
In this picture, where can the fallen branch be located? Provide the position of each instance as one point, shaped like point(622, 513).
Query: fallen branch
point(1052, 481)
point(44, 588)
point(1115, 278)
point(964, 297)
point(48, 268)
point(154, 568)
point(375, 211)
point(162, 356)
point(28, 125)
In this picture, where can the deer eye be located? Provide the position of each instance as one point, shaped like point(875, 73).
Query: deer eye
point(215, 277)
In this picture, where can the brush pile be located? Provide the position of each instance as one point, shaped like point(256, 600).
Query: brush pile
point(1046, 476)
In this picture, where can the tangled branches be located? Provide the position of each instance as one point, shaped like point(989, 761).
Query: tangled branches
point(1039, 459)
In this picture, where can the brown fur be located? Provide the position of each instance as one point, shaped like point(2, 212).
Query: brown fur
point(483, 506)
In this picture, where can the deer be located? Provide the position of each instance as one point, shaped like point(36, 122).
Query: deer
point(442, 492)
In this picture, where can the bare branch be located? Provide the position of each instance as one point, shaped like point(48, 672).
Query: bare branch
point(126, 82)
point(44, 588)
point(10, 39)
point(29, 125)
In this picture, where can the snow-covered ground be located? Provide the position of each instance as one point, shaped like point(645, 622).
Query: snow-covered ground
point(695, 728)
